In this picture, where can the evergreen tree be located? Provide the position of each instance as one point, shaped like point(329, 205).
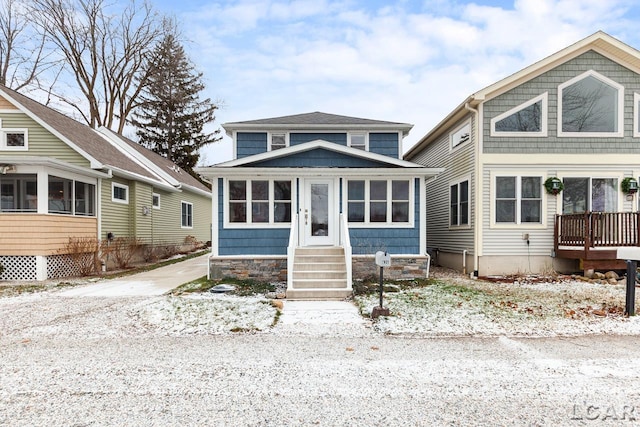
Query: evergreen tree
point(171, 116)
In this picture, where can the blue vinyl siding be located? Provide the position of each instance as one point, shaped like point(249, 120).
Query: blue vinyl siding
point(319, 158)
point(367, 241)
point(250, 143)
point(301, 138)
point(384, 143)
point(249, 241)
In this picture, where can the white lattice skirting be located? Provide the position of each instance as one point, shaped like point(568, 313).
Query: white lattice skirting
point(61, 266)
point(22, 268)
point(19, 268)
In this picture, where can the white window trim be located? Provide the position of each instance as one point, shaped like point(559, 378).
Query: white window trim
point(636, 112)
point(452, 147)
point(123, 186)
point(159, 201)
point(366, 138)
point(271, 223)
point(605, 80)
point(367, 201)
point(3, 139)
point(517, 224)
point(184, 202)
point(270, 136)
point(451, 184)
point(543, 112)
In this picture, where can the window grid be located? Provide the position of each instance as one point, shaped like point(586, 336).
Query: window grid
point(378, 201)
point(187, 215)
point(518, 200)
point(269, 201)
point(459, 204)
point(119, 193)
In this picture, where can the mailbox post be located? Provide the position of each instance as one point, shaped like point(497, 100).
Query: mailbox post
point(383, 259)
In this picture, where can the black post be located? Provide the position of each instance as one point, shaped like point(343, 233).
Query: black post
point(380, 310)
point(630, 303)
point(381, 285)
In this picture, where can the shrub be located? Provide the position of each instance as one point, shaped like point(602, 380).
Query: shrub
point(83, 254)
point(123, 249)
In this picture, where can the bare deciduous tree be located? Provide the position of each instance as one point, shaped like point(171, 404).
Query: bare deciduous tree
point(104, 49)
point(23, 56)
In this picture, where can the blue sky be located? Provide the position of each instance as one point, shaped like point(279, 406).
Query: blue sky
point(407, 61)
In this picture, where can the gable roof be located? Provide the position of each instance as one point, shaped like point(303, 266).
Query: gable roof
point(78, 136)
point(316, 121)
point(105, 149)
point(599, 42)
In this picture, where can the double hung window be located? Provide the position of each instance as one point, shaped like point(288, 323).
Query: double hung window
point(259, 201)
point(186, 215)
point(459, 204)
point(18, 193)
point(66, 196)
point(379, 201)
point(518, 199)
point(278, 141)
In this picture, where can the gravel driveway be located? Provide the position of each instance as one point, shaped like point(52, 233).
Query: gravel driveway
point(89, 362)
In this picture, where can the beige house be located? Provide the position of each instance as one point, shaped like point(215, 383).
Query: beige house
point(60, 179)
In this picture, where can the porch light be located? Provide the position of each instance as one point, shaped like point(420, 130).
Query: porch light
point(629, 186)
point(4, 168)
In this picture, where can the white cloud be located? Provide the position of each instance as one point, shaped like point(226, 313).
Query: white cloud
point(360, 58)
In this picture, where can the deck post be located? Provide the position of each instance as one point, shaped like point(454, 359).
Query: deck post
point(629, 306)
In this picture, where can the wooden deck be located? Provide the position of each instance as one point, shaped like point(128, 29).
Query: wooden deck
point(594, 237)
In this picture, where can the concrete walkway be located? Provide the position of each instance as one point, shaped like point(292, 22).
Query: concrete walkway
point(314, 312)
point(332, 318)
point(148, 283)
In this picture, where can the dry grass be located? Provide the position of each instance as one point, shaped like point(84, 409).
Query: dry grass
point(454, 304)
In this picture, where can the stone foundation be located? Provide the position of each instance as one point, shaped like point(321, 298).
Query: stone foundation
point(275, 269)
point(402, 268)
point(259, 269)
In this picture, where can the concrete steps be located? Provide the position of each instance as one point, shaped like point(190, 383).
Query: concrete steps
point(319, 273)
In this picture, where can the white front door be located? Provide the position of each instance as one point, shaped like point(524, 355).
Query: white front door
point(319, 212)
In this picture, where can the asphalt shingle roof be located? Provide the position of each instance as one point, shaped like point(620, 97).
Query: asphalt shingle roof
point(317, 118)
point(96, 146)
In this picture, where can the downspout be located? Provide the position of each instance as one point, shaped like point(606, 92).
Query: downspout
point(477, 188)
point(464, 262)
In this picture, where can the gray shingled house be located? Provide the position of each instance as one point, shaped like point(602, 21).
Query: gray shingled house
point(541, 167)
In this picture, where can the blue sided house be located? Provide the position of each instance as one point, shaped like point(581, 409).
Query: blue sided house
point(310, 199)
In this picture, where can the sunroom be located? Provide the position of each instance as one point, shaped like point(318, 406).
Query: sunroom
point(43, 202)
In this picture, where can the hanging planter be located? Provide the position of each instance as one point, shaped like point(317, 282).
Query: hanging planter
point(553, 185)
point(629, 186)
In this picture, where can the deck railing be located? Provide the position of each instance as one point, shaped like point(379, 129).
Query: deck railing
point(598, 229)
